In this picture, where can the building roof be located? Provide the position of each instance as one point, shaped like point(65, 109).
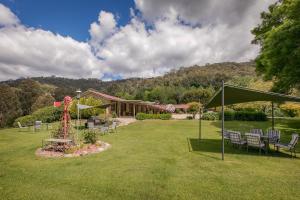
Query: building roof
point(140, 102)
point(105, 96)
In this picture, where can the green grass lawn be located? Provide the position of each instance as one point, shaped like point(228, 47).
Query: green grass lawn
point(151, 160)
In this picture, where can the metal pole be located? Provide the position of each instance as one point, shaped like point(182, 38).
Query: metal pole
point(272, 115)
point(77, 132)
point(200, 128)
point(222, 120)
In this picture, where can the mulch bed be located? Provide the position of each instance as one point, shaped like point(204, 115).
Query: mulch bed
point(85, 150)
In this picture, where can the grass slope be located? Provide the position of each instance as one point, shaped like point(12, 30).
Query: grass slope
point(151, 160)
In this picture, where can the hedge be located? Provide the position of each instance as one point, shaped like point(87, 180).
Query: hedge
point(210, 116)
point(47, 114)
point(244, 116)
point(143, 116)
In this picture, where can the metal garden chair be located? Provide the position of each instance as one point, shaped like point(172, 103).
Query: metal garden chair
point(290, 146)
point(254, 140)
point(236, 139)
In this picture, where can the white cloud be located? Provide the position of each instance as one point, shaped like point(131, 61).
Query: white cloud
point(182, 33)
point(7, 17)
point(27, 52)
point(102, 29)
point(161, 35)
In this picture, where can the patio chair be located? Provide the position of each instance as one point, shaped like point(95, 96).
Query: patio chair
point(23, 128)
point(236, 139)
point(273, 136)
point(37, 125)
point(226, 135)
point(257, 131)
point(254, 140)
point(290, 146)
point(103, 129)
point(113, 127)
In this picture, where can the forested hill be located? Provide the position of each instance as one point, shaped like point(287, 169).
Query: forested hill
point(185, 77)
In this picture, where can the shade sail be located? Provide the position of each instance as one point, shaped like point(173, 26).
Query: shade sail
point(234, 94)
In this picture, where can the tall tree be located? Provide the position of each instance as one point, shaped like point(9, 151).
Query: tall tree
point(42, 101)
point(29, 92)
point(279, 38)
point(10, 106)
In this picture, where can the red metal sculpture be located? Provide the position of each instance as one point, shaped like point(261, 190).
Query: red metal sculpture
point(66, 119)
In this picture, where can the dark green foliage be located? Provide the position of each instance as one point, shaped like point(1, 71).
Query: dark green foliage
point(189, 117)
point(29, 91)
point(244, 116)
point(90, 137)
point(10, 107)
point(278, 35)
point(143, 116)
point(211, 116)
point(42, 101)
point(47, 114)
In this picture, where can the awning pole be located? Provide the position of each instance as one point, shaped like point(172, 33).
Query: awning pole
point(272, 115)
point(222, 120)
point(200, 128)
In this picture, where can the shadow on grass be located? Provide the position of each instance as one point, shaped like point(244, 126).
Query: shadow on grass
point(215, 146)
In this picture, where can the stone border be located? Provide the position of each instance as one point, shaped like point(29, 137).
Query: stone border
point(91, 149)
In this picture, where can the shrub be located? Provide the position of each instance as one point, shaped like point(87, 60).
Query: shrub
point(143, 116)
point(25, 120)
point(210, 116)
point(47, 114)
point(244, 116)
point(90, 137)
point(189, 117)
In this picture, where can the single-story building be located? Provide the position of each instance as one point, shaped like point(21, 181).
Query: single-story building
point(123, 107)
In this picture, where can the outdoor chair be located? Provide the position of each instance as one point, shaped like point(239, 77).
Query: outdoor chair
point(254, 140)
point(37, 125)
point(23, 128)
point(257, 131)
point(226, 135)
point(113, 127)
point(236, 139)
point(104, 129)
point(273, 136)
point(290, 146)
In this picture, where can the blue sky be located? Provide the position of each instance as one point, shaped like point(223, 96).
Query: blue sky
point(115, 39)
point(68, 17)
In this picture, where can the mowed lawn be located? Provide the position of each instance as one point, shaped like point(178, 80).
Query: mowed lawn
point(151, 160)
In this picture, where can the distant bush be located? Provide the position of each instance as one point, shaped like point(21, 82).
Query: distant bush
point(244, 116)
point(90, 137)
point(143, 116)
point(210, 116)
point(189, 117)
point(47, 115)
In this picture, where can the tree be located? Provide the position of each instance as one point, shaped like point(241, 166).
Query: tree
point(30, 90)
point(10, 106)
point(86, 113)
point(279, 38)
point(193, 108)
point(42, 101)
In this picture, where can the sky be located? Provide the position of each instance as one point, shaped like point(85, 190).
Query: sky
point(115, 39)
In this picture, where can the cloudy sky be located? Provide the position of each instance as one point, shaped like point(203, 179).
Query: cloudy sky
point(113, 39)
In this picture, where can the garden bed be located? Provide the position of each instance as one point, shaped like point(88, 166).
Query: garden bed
point(78, 151)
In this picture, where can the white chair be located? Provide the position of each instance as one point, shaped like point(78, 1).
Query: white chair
point(236, 139)
point(273, 136)
point(254, 140)
point(23, 128)
point(290, 146)
point(257, 131)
